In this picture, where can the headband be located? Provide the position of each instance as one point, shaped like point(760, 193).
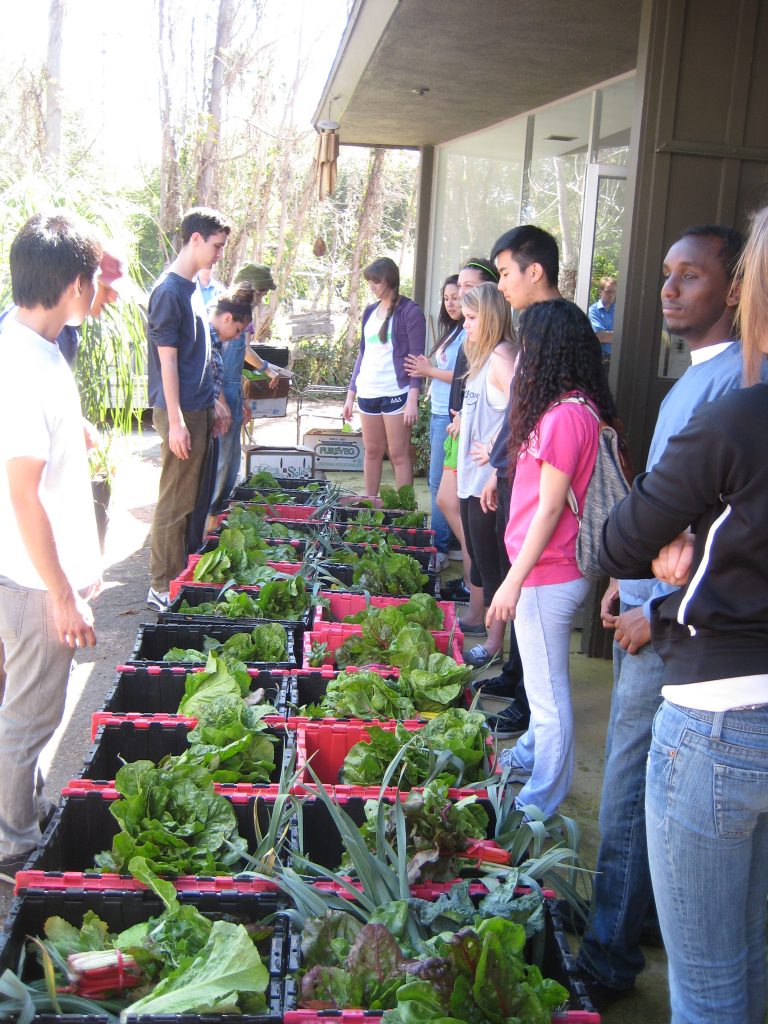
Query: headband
point(481, 266)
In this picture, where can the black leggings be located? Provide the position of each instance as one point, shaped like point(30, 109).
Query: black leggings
point(482, 547)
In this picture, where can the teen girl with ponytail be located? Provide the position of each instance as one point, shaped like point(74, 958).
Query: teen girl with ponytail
point(387, 395)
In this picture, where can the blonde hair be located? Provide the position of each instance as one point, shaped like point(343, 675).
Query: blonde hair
point(752, 316)
point(494, 324)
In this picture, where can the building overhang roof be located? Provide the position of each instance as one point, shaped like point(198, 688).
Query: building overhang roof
point(481, 62)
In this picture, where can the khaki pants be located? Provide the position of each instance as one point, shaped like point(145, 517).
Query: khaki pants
point(179, 482)
point(38, 666)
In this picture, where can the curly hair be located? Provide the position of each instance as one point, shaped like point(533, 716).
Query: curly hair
point(558, 353)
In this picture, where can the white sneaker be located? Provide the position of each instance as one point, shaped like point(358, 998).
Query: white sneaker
point(441, 560)
point(160, 600)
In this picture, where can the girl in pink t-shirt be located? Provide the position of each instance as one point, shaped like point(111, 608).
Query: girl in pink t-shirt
point(553, 439)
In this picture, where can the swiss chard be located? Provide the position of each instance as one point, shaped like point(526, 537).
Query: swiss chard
point(451, 749)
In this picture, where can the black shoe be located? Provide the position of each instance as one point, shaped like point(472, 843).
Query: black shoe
point(454, 590)
point(511, 721)
point(11, 865)
point(498, 686)
point(603, 996)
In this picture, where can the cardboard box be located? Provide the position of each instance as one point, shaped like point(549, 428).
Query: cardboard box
point(336, 450)
point(295, 463)
point(265, 401)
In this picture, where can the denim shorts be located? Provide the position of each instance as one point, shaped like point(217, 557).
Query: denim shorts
point(382, 406)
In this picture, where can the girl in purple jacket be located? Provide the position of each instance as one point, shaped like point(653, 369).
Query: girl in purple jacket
point(387, 395)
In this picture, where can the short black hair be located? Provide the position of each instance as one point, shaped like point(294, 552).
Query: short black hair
point(731, 239)
point(205, 221)
point(48, 255)
point(528, 244)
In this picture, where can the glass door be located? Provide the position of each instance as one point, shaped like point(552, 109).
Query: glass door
point(602, 230)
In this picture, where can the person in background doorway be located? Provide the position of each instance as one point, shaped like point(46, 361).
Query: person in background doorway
point(601, 314)
point(450, 325)
point(387, 394)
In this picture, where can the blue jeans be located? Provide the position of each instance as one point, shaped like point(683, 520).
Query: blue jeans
point(543, 628)
point(437, 436)
point(622, 896)
point(228, 463)
point(706, 805)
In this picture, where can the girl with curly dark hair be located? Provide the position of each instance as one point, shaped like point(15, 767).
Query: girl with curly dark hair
point(559, 386)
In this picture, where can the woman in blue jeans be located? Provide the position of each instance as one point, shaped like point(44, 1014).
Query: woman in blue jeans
point(707, 778)
point(450, 327)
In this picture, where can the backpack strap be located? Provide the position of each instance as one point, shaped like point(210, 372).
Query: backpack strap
point(573, 504)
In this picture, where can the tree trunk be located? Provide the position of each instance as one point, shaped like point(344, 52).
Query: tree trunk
point(53, 113)
point(567, 254)
point(207, 180)
point(368, 220)
point(169, 164)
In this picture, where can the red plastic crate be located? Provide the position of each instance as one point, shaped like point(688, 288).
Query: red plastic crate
point(141, 721)
point(335, 633)
point(284, 513)
point(105, 881)
point(235, 792)
point(371, 1016)
point(184, 579)
point(342, 604)
point(328, 743)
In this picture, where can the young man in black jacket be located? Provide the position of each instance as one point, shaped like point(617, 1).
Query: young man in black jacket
point(698, 301)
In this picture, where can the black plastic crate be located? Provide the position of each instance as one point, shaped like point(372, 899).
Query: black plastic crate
point(395, 535)
point(153, 641)
point(263, 495)
point(307, 686)
point(83, 826)
point(424, 556)
point(309, 527)
point(201, 595)
point(322, 842)
point(343, 573)
point(556, 960)
point(299, 546)
point(349, 513)
point(121, 910)
point(159, 691)
point(130, 740)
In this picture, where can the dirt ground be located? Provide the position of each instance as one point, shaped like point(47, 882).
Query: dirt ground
point(120, 609)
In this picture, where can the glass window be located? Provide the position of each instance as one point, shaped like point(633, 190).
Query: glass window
point(615, 122)
point(477, 197)
point(555, 180)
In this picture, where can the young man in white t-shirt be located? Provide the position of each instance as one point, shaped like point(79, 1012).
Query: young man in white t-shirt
point(49, 558)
